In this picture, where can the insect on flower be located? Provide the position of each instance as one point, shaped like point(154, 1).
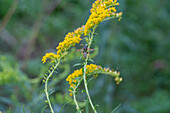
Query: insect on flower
point(85, 50)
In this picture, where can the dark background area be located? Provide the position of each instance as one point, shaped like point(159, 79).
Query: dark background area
point(138, 46)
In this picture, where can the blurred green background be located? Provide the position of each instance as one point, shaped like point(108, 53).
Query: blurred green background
point(138, 46)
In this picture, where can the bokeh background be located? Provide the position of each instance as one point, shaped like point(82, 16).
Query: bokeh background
point(138, 46)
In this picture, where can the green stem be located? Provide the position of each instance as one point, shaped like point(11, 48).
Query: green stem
point(84, 74)
point(75, 101)
point(74, 97)
point(46, 86)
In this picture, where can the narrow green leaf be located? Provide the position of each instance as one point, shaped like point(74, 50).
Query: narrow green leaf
point(71, 89)
point(64, 105)
point(77, 78)
point(78, 64)
point(23, 109)
point(90, 79)
point(73, 82)
point(83, 70)
point(83, 91)
point(87, 105)
point(42, 111)
point(116, 108)
point(80, 57)
point(96, 106)
point(43, 81)
point(96, 34)
point(91, 60)
point(46, 101)
point(51, 92)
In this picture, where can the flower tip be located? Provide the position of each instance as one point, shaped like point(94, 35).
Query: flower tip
point(117, 3)
point(120, 79)
point(43, 60)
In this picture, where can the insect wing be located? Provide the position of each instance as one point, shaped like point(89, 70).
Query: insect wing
point(79, 50)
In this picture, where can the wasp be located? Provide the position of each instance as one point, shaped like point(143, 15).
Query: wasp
point(85, 51)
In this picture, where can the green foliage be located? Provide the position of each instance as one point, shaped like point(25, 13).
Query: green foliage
point(156, 103)
point(29, 7)
point(10, 73)
point(138, 46)
point(4, 6)
point(13, 81)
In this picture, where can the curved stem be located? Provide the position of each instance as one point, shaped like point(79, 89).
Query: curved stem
point(75, 101)
point(74, 97)
point(84, 74)
point(46, 87)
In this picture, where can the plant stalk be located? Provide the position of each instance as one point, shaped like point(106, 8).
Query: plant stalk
point(46, 86)
point(75, 100)
point(84, 74)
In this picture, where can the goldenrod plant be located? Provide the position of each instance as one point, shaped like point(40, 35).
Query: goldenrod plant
point(101, 10)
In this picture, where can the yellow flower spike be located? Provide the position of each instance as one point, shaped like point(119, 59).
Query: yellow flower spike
point(99, 12)
point(91, 69)
point(71, 39)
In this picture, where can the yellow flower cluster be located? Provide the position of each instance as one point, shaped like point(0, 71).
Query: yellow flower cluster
point(79, 73)
point(100, 11)
point(95, 70)
point(70, 40)
point(50, 56)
